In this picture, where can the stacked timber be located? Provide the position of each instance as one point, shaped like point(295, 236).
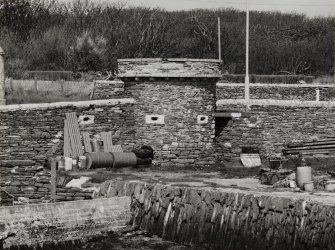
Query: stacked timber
point(320, 147)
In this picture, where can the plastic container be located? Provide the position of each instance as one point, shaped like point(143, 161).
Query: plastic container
point(309, 186)
point(304, 175)
point(99, 160)
point(61, 164)
point(330, 185)
point(68, 163)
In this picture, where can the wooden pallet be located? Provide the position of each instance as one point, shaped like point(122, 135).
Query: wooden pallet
point(116, 148)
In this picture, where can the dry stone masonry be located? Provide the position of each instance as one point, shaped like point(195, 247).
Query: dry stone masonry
point(235, 219)
point(173, 105)
point(270, 125)
point(303, 92)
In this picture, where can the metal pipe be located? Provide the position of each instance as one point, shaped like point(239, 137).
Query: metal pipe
point(2, 77)
point(246, 88)
point(219, 37)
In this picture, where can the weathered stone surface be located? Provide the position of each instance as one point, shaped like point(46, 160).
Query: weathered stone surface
point(181, 103)
point(172, 67)
point(35, 134)
point(35, 225)
point(303, 92)
point(215, 219)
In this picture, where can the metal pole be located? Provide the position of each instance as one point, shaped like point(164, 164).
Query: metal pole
point(2, 77)
point(219, 37)
point(246, 89)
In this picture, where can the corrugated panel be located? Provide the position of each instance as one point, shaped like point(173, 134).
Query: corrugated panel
point(87, 142)
point(67, 146)
point(116, 148)
point(106, 137)
point(74, 132)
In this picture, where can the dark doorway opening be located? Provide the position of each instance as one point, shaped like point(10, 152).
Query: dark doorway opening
point(220, 124)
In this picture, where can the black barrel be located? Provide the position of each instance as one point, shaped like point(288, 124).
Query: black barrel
point(99, 160)
point(122, 159)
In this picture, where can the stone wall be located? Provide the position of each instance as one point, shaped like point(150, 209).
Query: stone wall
point(108, 89)
point(55, 225)
point(303, 92)
point(270, 124)
point(181, 140)
point(229, 218)
point(35, 131)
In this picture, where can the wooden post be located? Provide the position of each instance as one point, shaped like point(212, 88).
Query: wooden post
point(62, 86)
point(92, 93)
point(35, 85)
point(317, 95)
point(2, 77)
point(11, 84)
point(53, 179)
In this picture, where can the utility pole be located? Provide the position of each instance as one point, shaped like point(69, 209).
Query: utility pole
point(2, 77)
point(219, 37)
point(246, 86)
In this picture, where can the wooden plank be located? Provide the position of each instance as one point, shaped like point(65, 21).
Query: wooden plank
point(74, 133)
point(87, 142)
point(296, 145)
point(106, 137)
point(321, 151)
point(67, 145)
point(311, 147)
point(53, 180)
point(116, 148)
point(109, 141)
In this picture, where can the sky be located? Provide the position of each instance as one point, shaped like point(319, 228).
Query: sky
point(311, 8)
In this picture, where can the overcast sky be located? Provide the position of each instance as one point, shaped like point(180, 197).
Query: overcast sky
point(309, 7)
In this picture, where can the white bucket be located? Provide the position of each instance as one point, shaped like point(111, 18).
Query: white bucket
point(304, 174)
point(309, 186)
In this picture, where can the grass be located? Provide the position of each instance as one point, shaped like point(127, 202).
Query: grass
point(24, 91)
point(21, 96)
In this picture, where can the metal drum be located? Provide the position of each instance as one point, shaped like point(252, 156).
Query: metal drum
point(122, 159)
point(99, 160)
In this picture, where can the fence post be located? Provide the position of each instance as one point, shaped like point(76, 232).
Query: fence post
point(2, 77)
point(62, 87)
point(317, 95)
point(53, 179)
point(11, 84)
point(35, 85)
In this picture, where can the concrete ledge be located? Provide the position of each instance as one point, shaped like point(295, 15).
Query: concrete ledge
point(168, 59)
point(33, 225)
point(109, 82)
point(176, 75)
point(274, 85)
point(38, 106)
point(271, 102)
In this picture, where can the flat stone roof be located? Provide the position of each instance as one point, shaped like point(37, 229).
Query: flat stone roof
point(169, 68)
